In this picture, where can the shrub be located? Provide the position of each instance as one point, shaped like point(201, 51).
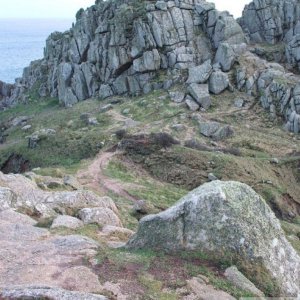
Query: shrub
point(163, 140)
point(120, 134)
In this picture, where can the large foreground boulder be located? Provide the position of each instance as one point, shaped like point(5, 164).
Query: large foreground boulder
point(227, 219)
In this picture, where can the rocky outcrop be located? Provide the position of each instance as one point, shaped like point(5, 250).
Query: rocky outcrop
point(277, 90)
point(226, 218)
point(5, 90)
point(274, 21)
point(19, 192)
point(128, 47)
point(271, 21)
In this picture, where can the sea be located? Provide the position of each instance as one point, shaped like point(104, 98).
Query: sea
point(22, 41)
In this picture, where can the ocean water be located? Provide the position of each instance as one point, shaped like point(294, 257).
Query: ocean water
point(22, 41)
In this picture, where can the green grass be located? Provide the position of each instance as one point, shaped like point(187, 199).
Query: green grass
point(161, 195)
point(151, 108)
point(186, 266)
point(73, 141)
point(90, 230)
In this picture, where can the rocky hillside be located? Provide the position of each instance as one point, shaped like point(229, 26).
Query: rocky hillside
point(147, 156)
point(132, 47)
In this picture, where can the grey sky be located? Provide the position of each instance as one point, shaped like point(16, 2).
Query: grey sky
point(67, 8)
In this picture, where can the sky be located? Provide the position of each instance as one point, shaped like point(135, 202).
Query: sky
point(66, 9)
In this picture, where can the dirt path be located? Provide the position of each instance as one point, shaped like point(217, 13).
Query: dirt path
point(94, 178)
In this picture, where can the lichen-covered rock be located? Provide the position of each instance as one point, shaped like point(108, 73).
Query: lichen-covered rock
point(225, 56)
point(271, 20)
point(233, 275)
point(292, 51)
point(277, 90)
point(191, 103)
point(20, 192)
point(67, 222)
point(200, 74)
point(123, 47)
point(200, 94)
point(226, 218)
point(274, 21)
point(31, 255)
point(45, 292)
point(218, 82)
point(8, 198)
point(215, 130)
point(99, 215)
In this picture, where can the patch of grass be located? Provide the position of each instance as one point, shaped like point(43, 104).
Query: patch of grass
point(116, 169)
point(154, 288)
point(73, 141)
point(124, 208)
point(90, 230)
point(155, 106)
point(160, 195)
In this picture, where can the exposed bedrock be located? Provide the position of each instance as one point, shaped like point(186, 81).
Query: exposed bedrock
point(128, 47)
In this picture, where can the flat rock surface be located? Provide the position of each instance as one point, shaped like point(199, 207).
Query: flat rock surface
point(30, 255)
point(45, 292)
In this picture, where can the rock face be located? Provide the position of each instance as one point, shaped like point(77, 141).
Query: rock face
point(274, 21)
point(271, 21)
point(277, 90)
point(119, 47)
point(226, 218)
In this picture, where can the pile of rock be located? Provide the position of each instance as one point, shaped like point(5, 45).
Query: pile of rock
point(19, 192)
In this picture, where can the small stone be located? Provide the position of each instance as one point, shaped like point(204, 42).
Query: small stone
point(67, 222)
point(239, 103)
point(275, 161)
point(99, 215)
point(106, 108)
point(178, 127)
point(126, 111)
point(191, 103)
point(26, 127)
point(177, 96)
point(92, 121)
point(212, 177)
